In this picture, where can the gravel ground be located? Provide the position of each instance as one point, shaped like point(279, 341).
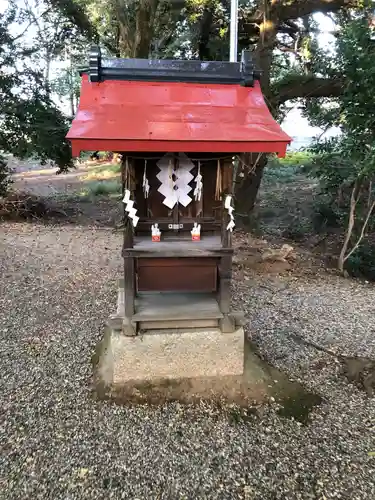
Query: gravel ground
point(58, 285)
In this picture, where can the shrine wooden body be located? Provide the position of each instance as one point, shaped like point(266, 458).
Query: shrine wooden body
point(199, 271)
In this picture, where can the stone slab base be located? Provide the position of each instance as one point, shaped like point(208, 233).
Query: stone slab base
point(185, 366)
point(190, 353)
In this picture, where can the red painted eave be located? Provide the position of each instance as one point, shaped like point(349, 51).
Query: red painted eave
point(174, 117)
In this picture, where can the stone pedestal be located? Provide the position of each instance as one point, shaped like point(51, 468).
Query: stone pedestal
point(183, 364)
point(173, 355)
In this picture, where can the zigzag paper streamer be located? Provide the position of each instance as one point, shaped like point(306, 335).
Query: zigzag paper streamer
point(228, 206)
point(145, 183)
point(198, 184)
point(129, 208)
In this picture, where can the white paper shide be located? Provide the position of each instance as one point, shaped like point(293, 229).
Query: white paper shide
point(198, 184)
point(145, 183)
point(175, 182)
point(129, 208)
point(230, 208)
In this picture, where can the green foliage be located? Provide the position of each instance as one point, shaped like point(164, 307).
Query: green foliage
point(100, 188)
point(33, 126)
point(67, 83)
point(276, 172)
point(5, 176)
point(362, 262)
point(30, 124)
point(74, 12)
point(286, 169)
point(345, 165)
point(351, 155)
point(104, 172)
point(297, 158)
point(326, 214)
point(298, 229)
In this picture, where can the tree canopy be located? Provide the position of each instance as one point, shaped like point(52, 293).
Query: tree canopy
point(283, 35)
point(30, 122)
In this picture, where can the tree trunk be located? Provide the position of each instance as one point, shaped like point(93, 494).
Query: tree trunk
point(247, 187)
point(144, 28)
point(71, 87)
point(47, 72)
point(71, 95)
point(247, 190)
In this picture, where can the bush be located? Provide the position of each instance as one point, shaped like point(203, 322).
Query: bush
point(326, 214)
point(5, 176)
point(99, 188)
point(298, 229)
point(275, 172)
point(362, 263)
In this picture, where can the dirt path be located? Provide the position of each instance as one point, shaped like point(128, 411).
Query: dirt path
point(43, 181)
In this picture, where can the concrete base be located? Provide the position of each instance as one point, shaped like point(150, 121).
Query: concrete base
point(155, 355)
point(185, 366)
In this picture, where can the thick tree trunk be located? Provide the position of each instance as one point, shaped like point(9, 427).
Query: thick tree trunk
point(71, 103)
point(144, 29)
point(71, 88)
point(135, 40)
point(247, 187)
point(247, 190)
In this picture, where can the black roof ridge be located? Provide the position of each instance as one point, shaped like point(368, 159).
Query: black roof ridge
point(169, 70)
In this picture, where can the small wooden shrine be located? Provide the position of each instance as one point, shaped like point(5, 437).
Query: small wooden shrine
point(179, 126)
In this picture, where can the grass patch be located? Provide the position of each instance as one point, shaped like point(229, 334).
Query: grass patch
point(277, 173)
point(289, 169)
point(296, 158)
point(91, 190)
point(102, 172)
point(100, 188)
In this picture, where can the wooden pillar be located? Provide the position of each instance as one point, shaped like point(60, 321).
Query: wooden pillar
point(129, 278)
point(226, 236)
point(123, 176)
point(129, 293)
point(227, 324)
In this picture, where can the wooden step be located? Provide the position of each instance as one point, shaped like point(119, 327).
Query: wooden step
point(176, 310)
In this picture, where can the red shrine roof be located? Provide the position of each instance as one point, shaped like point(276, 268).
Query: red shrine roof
point(171, 116)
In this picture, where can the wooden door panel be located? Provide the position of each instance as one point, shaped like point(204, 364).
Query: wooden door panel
point(185, 274)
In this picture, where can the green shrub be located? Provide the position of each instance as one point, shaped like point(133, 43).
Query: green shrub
point(275, 173)
point(298, 229)
point(326, 214)
point(99, 188)
point(5, 176)
point(362, 262)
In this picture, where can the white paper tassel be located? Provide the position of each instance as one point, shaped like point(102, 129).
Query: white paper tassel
point(184, 177)
point(229, 207)
point(175, 191)
point(145, 184)
point(198, 184)
point(129, 208)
